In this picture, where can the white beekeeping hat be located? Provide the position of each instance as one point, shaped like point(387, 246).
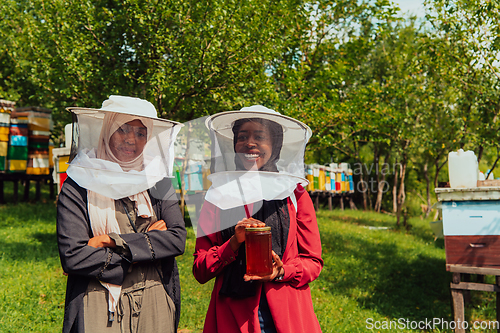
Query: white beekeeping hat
point(234, 181)
point(97, 169)
point(276, 181)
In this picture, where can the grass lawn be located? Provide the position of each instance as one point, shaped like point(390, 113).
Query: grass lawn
point(370, 274)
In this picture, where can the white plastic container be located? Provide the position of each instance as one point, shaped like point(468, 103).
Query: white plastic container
point(463, 169)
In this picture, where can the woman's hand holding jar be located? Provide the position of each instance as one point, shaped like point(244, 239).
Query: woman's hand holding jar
point(239, 233)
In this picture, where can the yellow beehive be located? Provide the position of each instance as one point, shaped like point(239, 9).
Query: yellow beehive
point(4, 133)
point(322, 178)
point(17, 165)
point(342, 182)
point(61, 163)
point(206, 183)
point(51, 156)
point(37, 171)
point(3, 148)
point(310, 178)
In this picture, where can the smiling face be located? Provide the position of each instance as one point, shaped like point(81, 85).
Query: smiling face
point(128, 141)
point(254, 145)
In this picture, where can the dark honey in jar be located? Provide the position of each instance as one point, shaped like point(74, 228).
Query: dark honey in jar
point(258, 248)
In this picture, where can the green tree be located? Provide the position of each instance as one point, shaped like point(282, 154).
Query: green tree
point(465, 44)
point(189, 58)
point(321, 70)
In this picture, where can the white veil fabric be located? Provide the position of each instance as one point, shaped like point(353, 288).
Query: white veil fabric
point(103, 174)
point(234, 186)
point(228, 180)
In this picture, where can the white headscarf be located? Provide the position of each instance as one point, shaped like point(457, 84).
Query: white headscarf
point(101, 209)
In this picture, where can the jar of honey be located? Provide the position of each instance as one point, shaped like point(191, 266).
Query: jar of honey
point(258, 246)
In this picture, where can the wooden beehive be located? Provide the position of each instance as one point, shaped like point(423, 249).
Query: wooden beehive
point(471, 225)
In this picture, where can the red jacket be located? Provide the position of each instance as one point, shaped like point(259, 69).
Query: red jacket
point(289, 300)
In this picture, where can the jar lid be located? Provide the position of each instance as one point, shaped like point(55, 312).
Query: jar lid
point(258, 229)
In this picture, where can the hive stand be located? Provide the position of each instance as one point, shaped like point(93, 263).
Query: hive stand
point(25, 180)
point(316, 195)
point(460, 289)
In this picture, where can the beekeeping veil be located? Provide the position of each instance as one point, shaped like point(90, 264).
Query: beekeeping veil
point(234, 182)
point(96, 168)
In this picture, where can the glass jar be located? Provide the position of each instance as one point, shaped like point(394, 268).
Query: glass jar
point(258, 246)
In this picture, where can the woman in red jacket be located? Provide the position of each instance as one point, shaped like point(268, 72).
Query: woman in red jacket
point(262, 140)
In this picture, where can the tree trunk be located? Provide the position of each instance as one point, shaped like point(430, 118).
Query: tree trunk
point(494, 164)
point(362, 178)
point(438, 169)
point(365, 191)
point(366, 185)
point(380, 194)
point(480, 154)
point(183, 184)
point(436, 175)
point(428, 183)
point(376, 161)
point(381, 184)
point(368, 194)
point(395, 193)
point(401, 196)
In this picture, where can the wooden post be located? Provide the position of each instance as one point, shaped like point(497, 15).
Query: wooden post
point(16, 185)
point(26, 196)
point(2, 199)
point(341, 202)
point(458, 304)
point(316, 202)
point(351, 203)
point(466, 278)
point(51, 187)
point(497, 281)
point(329, 201)
point(37, 193)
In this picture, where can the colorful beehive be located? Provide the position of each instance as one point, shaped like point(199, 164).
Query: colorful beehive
point(61, 158)
point(351, 181)
point(337, 181)
point(334, 177)
point(310, 178)
point(3, 154)
point(471, 225)
point(328, 184)
point(51, 156)
point(322, 178)
point(342, 182)
point(39, 125)
point(4, 139)
point(345, 179)
point(6, 108)
point(205, 172)
point(17, 152)
point(176, 182)
point(193, 176)
point(315, 168)
point(4, 132)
